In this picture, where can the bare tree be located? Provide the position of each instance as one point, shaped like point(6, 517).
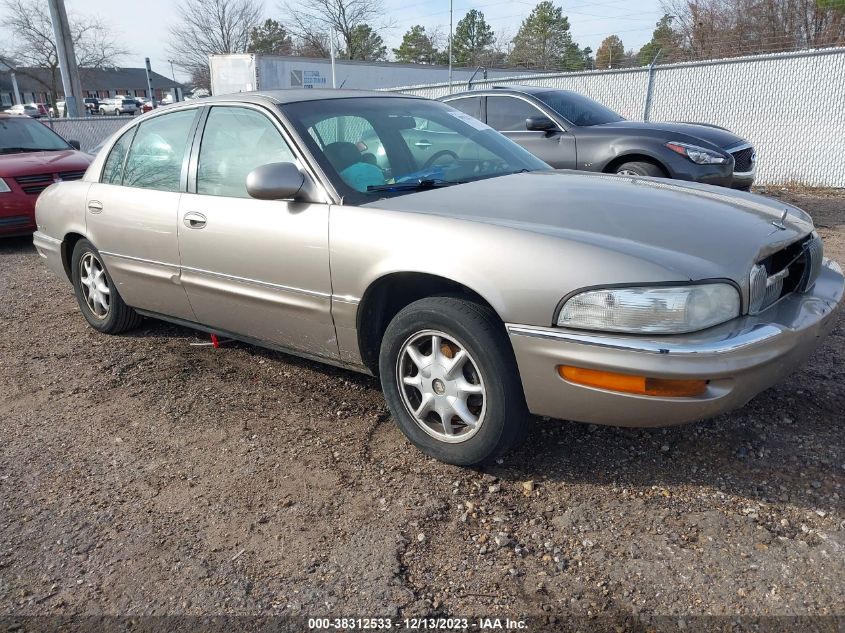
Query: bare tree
point(211, 27)
point(730, 28)
point(33, 45)
point(312, 21)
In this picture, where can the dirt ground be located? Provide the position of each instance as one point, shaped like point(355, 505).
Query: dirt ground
point(142, 475)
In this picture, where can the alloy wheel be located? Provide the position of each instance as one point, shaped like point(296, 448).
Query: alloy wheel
point(95, 287)
point(441, 386)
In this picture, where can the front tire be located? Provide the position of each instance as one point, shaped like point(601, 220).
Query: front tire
point(450, 379)
point(640, 168)
point(99, 301)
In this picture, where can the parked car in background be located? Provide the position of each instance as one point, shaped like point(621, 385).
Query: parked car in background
point(32, 157)
point(476, 281)
point(34, 110)
point(571, 131)
point(144, 104)
point(118, 105)
point(91, 105)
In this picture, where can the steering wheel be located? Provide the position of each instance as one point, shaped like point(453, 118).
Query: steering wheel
point(433, 158)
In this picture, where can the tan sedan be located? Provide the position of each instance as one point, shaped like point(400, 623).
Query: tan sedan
point(398, 236)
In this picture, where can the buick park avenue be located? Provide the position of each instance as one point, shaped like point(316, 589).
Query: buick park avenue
point(403, 238)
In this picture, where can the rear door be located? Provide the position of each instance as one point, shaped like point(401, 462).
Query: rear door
point(507, 114)
point(255, 268)
point(131, 213)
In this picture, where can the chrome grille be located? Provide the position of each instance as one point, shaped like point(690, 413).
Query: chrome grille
point(743, 160)
point(814, 256)
point(792, 269)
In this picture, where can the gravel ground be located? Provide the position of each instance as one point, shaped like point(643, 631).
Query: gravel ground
point(142, 475)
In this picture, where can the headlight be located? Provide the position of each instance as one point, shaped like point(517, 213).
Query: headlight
point(699, 155)
point(4, 187)
point(657, 310)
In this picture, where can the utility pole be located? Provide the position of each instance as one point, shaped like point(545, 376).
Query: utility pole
point(16, 94)
point(67, 58)
point(451, 3)
point(331, 43)
point(150, 83)
point(15, 87)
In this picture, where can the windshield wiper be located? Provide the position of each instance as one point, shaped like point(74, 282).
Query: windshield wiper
point(419, 185)
point(20, 150)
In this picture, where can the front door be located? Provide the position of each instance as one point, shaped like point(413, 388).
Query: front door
point(131, 214)
point(255, 268)
point(507, 115)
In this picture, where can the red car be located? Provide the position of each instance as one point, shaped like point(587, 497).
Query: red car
point(32, 157)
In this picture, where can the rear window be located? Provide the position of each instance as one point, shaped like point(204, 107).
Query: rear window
point(128, 101)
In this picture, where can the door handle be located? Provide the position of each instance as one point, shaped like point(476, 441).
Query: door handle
point(95, 206)
point(423, 144)
point(194, 220)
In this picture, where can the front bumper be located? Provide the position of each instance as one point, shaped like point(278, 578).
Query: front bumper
point(681, 168)
point(17, 212)
point(740, 359)
point(743, 182)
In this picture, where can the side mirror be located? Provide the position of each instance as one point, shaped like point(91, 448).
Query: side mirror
point(539, 124)
point(75, 144)
point(275, 181)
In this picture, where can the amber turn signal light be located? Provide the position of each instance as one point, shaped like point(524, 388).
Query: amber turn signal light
point(627, 383)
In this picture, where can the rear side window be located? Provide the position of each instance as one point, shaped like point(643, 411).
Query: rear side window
point(467, 105)
point(113, 168)
point(508, 114)
point(155, 158)
point(236, 141)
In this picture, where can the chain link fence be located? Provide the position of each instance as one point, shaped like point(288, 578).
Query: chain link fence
point(90, 131)
point(790, 106)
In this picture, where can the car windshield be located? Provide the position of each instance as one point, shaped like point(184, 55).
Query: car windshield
point(578, 109)
point(26, 135)
point(372, 147)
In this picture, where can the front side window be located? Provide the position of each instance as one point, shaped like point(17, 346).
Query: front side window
point(113, 167)
point(375, 146)
point(235, 141)
point(155, 158)
point(508, 114)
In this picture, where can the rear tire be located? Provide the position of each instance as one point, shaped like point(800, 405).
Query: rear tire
point(640, 168)
point(99, 301)
point(470, 378)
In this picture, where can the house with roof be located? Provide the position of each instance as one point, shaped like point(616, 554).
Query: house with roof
point(34, 84)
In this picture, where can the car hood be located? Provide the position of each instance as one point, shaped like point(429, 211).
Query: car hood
point(719, 137)
point(695, 231)
point(13, 165)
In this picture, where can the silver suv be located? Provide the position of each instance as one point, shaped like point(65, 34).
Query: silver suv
point(118, 105)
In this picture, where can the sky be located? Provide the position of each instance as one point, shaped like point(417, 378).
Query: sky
point(142, 25)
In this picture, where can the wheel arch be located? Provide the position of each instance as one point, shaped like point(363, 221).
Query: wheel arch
point(68, 244)
point(634, 156)
point(391, 292)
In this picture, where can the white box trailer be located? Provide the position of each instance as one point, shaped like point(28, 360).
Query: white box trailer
point(247, 72)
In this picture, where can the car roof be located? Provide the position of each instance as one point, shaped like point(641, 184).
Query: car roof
point(294, 95)
point(526, 90)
